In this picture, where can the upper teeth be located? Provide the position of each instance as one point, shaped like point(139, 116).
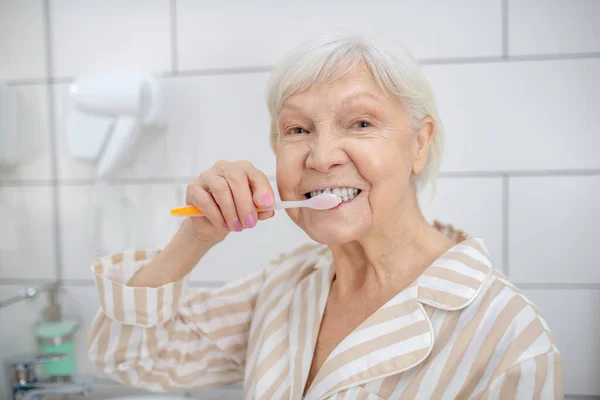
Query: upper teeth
point(343, 193)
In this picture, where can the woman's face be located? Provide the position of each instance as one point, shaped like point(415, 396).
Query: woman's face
point(348, 134)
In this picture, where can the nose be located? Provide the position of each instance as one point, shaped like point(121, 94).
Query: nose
point(325, 154)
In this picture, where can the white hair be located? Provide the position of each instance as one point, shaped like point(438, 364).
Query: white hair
point(331, 56)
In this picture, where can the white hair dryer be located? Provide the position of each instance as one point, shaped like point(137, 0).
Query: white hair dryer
point(106, 116)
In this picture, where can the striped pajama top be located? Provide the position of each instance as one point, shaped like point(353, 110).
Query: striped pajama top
point(461, 330)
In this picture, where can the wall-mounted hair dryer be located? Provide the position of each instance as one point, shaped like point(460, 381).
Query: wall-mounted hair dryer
point(106, 116)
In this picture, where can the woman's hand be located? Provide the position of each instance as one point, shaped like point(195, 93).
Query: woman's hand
point(228, 195)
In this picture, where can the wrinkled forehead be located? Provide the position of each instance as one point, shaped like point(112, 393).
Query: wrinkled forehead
point(342, 91)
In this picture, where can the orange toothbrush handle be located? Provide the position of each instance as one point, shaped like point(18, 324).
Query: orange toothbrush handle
point(186, 211)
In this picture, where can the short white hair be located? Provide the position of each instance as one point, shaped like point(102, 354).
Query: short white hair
point(331, 56)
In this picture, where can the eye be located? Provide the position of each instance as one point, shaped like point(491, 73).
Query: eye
point(362, 124)
point(296, 131)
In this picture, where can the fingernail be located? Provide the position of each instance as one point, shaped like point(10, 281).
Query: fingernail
point(237, 226)
point(266, 200)
point(225, 225)
point(250, 222)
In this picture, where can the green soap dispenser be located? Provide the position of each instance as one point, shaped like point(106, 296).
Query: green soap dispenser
point(56, 335)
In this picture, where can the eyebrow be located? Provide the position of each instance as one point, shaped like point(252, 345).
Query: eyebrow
point(348, 100)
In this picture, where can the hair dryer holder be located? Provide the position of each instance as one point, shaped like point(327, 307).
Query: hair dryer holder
point(108, 114)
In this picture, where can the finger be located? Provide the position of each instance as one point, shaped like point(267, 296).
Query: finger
point(262, 192)
point(220, 191)
point(242, 196)
point(262, 215)
point(200, 198)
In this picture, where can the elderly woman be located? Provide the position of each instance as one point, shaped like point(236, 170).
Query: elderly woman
point(382, 306)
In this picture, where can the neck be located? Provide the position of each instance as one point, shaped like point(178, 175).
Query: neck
point(390, 257)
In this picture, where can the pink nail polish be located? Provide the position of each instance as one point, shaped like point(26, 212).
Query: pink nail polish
point(266, 200)
point(237, 226)
point(250, 222)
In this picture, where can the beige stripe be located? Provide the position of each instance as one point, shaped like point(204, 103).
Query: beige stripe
point(511, 383)
point(182, 338)
point(141, 305)
point(167, 379)
point(541, 374)
point(490, 343)
point(452, 276)
point(117, 258)
point(160, 302)
point(283, 375)
point(177, 292)
point(518, 346)
point(232, 330)
point(99, 267)
point(103, 339)
point(118, 304)
point(121, 350)
point(102, 293)
point(362, 394)
point(558, 377)
point(475, 244)
point(468, 261)
point(463, 340)
point(443, 298)
point(429, 310)
point(388, 385)
point(387, 313)
point(273, 326)
point(267, 292)
point(95, 329)
point(140, 255)
point(401, 363)
point(377, 343)
point(242, 287)
point(215, 313)
point(265, 367)
point(446, 332)
point(302, 330)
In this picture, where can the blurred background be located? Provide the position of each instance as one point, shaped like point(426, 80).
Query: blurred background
point(518, 85)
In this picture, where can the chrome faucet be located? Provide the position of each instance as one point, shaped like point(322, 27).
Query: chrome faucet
point(24, 384)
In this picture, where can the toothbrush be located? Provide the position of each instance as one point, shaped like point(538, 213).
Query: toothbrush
point(324, 201)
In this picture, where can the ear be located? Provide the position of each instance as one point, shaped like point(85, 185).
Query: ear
point(423, 141)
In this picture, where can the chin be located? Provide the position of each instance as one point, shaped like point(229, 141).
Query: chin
point(332, 234)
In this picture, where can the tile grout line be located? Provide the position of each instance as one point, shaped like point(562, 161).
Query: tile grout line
point(53, 152)
point(266, 68)
point(505, 27)
point(505, 224)
point(174, 46)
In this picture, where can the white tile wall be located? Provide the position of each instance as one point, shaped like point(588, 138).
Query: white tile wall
point(223, 117)
point(473, 205)
point(574, 317)
point(101, 220)
point(531, 121)
point(27, 233)
point(259, 33)
point(22, 41)
point(535, 115)
point(553, 26)
point(109, 36)
point(33, 135)
point(552, 227)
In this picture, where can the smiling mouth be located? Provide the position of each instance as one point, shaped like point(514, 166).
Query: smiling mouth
point(346, 194)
